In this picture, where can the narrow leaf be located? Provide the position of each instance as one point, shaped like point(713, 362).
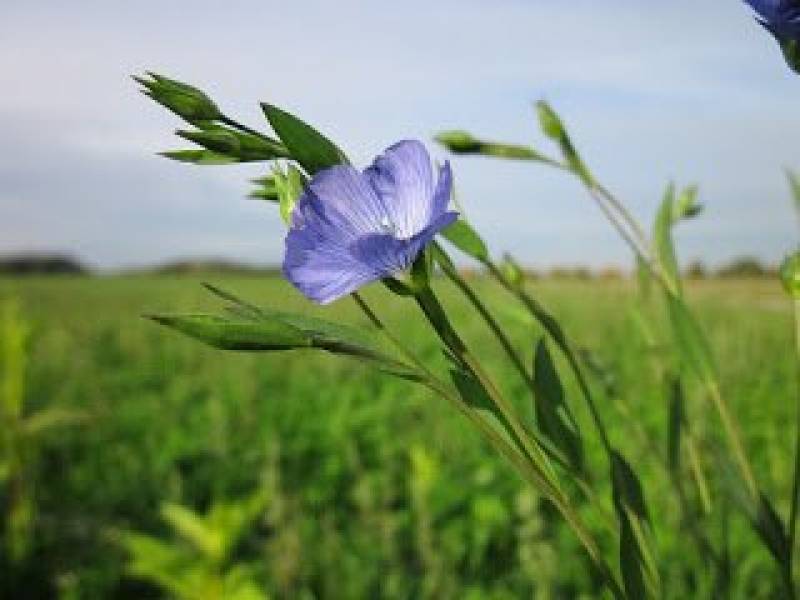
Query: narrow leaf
point(694, 349)
point(306, 145)
point(552, 413)
point(200, 157)
point(676, 418)
point(230, 334)
point(465, 238)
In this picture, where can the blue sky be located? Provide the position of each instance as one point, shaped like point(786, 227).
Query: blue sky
point(652, 91)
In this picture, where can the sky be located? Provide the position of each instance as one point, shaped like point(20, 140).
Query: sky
point(652, 92)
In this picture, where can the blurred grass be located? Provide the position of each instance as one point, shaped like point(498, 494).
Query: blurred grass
point(378, 489)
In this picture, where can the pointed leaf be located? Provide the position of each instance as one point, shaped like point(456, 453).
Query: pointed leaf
point(694, 349)
point(676, 418)
point(552, 413)
point(230, 334)
point(306, 145)
point(465, 238)
point(200, 157)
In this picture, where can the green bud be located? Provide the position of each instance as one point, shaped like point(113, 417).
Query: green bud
point(790, 274)
point(265, 189)
point(288, 187)
point(244, 147)
point(791, 51)
point(186, 101)
point(686, 205)
point(512, 271)
point(459, 142)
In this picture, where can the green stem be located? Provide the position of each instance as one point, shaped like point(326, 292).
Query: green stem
point(244, 128)
point(553, 329)
point(796, 482)
point(433, 310)
point(528, 471)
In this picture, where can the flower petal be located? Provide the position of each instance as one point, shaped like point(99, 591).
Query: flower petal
point(320, 267)
point(403, 178)
point(444, 190)
point(343, 197)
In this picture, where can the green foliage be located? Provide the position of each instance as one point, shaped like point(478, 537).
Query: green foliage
point(200, 563)
point(553, 414)
point(176, 422)
point(20, 434)
point(306, 145)
point(790, 274)
point(465, 238)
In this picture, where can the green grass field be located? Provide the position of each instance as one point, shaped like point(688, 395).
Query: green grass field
point(374, 488)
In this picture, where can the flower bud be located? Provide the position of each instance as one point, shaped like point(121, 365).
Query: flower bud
point(790, 274)
point(459, 142)
point(186, 101)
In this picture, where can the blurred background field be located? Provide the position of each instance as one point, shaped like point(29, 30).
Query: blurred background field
point(340, 482)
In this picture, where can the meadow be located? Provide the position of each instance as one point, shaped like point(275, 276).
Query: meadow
point(305, 475)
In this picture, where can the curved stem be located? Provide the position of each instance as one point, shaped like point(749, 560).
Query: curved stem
point(528, 471)
point(553, 329)
point(796, 483)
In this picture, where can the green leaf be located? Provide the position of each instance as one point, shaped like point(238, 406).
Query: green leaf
point(694, 349)
point(552, 413)
point(200, 157)
point(322, 334)
point(638, 567)
point(675, 424)
point(471, 391)
point(627, 490)
point(306, 145)
point(230, 334)
point(244, 147)
point(552, 126)
point(465, 238)
point(289, 186)
point(662, 238)
point(770, 528)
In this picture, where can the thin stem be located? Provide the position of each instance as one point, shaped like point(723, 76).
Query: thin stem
point(557, 334)
point(796, 482)
point(528, 471)
point(433, 310)
point(244, 128)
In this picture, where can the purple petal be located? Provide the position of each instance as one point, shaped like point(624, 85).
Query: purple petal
point(320, 267)
point(444, 189)
point(403, 178)
point(343, 197)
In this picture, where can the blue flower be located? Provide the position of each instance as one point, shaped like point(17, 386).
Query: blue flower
point(351, 227)
point(779, 17)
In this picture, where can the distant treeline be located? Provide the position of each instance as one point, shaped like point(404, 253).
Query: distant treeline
point(745, 267)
